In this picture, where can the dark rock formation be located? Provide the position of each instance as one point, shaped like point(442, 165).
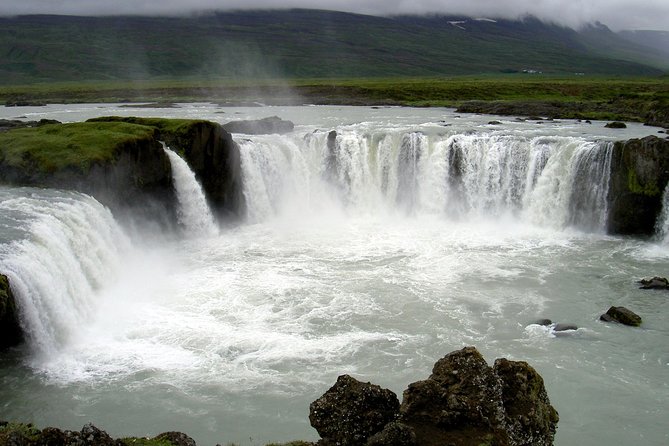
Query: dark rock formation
point(211, 154)
point(530, 418)
point(132, 176)
point(464, 402)
point(656, 283)
point(10, 329)
point(564, 327)
point(544, 322)
point(265, 126)
point(622, 315)
point(616, 125)
point(18, 434)
point(394, 434)
point(351, 411)
point(639, 175)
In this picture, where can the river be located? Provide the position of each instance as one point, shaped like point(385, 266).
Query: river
point(418, 232)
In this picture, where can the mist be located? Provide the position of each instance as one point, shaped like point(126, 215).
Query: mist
point(617, 14)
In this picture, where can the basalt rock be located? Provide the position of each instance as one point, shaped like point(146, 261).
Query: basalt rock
point(616, 125)
point(210, 153)
point(352, 411)
point(18, 434)
point(655, 283)
point(622, 315)
point(10, 329)
point(639, 175)
point(265, 126)
point(465, 402)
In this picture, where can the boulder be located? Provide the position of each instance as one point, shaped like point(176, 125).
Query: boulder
point(564, 327)
point(530, 418)
point(655, 283)
point(616, 125)
point(351, 411)
point(394, 434)
point(466, 402)
point(10, 328)
point(639, 175)
point(622, 315)
point(210, 153)
point(265, 126)
point(91, 435)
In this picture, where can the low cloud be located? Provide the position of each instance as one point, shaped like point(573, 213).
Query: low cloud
point(618, 14)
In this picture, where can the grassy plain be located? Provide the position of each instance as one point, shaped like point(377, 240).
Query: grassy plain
point(572, 97)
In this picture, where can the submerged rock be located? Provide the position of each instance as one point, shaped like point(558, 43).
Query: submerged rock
point(655, 283)
point(616, 125)
point(10, 329)
point(265, 126)
point(352, 411)
point(564, 327)
point(622, 315)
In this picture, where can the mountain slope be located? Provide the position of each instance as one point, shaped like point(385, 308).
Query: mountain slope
point(289, 43)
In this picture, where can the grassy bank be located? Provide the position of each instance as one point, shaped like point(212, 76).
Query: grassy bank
point(633, 99)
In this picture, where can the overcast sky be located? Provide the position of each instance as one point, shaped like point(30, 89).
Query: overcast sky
point(617, 14)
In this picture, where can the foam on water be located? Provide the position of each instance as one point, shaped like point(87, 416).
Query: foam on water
point(416, 240)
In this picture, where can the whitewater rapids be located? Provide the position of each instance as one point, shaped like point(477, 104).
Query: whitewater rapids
point(375, 259)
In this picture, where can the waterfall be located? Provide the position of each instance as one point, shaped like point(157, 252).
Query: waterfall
point(549, 181)
point(193, 212)
point(67, 246)
point(662, 223)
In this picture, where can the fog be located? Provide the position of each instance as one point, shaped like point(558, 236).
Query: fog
point(617, 14)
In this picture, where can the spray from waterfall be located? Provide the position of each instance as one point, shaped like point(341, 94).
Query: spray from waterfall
point(193, 211)
point(69, 247)
point(555, 182)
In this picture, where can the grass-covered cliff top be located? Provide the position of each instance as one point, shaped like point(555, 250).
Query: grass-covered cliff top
point(53, 147)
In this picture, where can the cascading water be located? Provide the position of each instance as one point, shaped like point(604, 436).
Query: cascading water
point(371, 250)
point(65, 247)
point(193, 212)
point(557, 181)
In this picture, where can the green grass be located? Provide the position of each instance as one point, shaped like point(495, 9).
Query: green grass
point(78, 145)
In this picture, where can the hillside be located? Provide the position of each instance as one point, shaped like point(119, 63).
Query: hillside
point(300, 44)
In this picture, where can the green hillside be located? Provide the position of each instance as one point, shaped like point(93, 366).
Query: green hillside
point(298, 44)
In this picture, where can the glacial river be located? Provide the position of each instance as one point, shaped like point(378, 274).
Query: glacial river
point(369, 260)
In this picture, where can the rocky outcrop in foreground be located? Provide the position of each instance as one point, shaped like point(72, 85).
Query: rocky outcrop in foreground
point(464, 402)
point(13, 434)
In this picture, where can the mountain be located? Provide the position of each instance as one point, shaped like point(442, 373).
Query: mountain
point(303, 44)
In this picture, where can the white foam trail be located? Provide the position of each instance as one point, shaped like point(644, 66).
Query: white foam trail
point(71, 250)
point(193, 212)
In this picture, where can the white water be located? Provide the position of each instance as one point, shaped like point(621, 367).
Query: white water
point(376, 269)
point(193, 212)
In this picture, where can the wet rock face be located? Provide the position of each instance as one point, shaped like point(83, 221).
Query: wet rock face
point(352, 411)
point(639, 175)
point(10, 329)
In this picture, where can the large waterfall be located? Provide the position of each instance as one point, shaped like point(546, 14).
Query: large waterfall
point(376, 241)
point(553, 181)
point(63, 249)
